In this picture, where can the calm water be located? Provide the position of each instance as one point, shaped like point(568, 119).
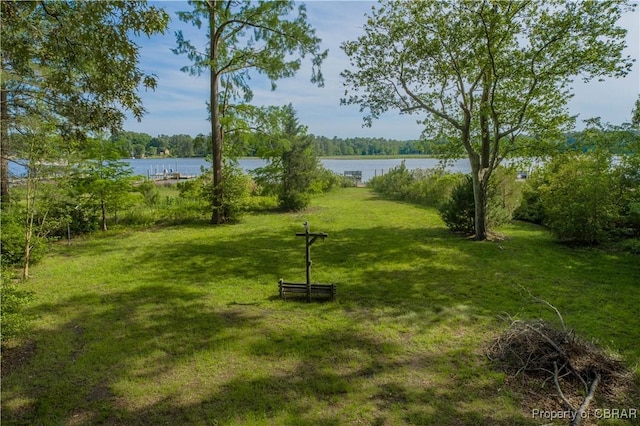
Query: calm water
point(368, 167)
point(193, 166)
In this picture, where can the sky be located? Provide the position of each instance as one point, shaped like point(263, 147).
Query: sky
point(178, 105)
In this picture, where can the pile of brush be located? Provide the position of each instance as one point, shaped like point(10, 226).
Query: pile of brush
point(576, 367)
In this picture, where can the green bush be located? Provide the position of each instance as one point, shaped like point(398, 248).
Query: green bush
point(458, 212)
point(294, 201)
point(72, 216)
point(504, 197)
point(12, 239)
point(628, 175)
point(13, 300)
point(325, 180)
point(580, 199)
point(236, 186)
point(395, 184)
point(633, 216)
point(258, 203)
point(432, 187)
point(531, 208)
point(181, 210)
point(632, 245)
point(149, 191)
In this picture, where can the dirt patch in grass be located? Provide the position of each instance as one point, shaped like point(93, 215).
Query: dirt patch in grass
point(15, 355)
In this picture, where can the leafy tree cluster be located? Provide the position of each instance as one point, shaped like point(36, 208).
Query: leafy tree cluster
point(69, 71)
point(591, 193)
point(70, 65)
point(483, 73)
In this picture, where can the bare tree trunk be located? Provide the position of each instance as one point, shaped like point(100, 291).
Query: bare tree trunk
point(28, 223)
point(27, 251)
point(218, 215)
point(104, 215)
point(4, 154)
point(478, 177)
point(482, 171)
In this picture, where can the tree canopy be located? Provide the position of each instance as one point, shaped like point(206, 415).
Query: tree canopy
point(482, 73)
point(73, 64)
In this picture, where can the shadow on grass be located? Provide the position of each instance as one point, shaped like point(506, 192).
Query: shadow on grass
point(420, 269)
point(205, 341)
point(158, 354)
point(151, 327)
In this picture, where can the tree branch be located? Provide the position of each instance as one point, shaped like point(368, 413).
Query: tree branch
point(426, 107)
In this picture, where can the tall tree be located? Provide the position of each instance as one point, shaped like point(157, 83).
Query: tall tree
point(244, 35)
point(292, 161)
point(482, 73)
point(72, 63)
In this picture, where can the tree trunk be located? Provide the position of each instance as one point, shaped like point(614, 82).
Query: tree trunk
point(480, 202)
point(104, 215)
point(480, 165)
point(28, 226)
point(27, 255)
point(27, 249)
point(4, 154)
point(479, 178)
point(218, 216)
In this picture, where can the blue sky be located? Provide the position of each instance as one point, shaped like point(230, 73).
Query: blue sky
point(178, 105)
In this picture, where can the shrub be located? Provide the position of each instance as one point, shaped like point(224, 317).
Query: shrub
point(632, 245)
point(13, 300)
point(149, 191)
point(258, 203)
point(294, 201)
point(531, 208)
point(12, 239)
point(430, 187)
point(458, 212)
point(395, 184)
point(504, 195)
point(325, 180)
point(237, 188)
point(580, 198)
point(627, 174)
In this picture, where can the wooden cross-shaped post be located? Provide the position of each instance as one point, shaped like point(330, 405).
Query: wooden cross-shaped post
point(310, 239)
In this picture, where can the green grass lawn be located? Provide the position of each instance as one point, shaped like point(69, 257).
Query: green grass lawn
point(183, 325)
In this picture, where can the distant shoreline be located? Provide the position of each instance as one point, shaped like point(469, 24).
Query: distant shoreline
point(329, 157)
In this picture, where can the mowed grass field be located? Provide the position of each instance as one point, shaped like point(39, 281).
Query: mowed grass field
point(183, 325)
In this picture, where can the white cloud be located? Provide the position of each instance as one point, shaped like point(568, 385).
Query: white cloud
point(178, 104)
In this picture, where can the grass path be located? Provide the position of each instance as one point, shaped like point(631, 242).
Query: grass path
point(183, 325)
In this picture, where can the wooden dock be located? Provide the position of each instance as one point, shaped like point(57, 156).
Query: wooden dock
point(171, 176)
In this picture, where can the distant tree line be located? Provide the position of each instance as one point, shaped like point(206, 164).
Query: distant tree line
point(139, 145)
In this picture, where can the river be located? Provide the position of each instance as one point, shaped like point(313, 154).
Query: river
point(193, 166)
point(369, 167)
